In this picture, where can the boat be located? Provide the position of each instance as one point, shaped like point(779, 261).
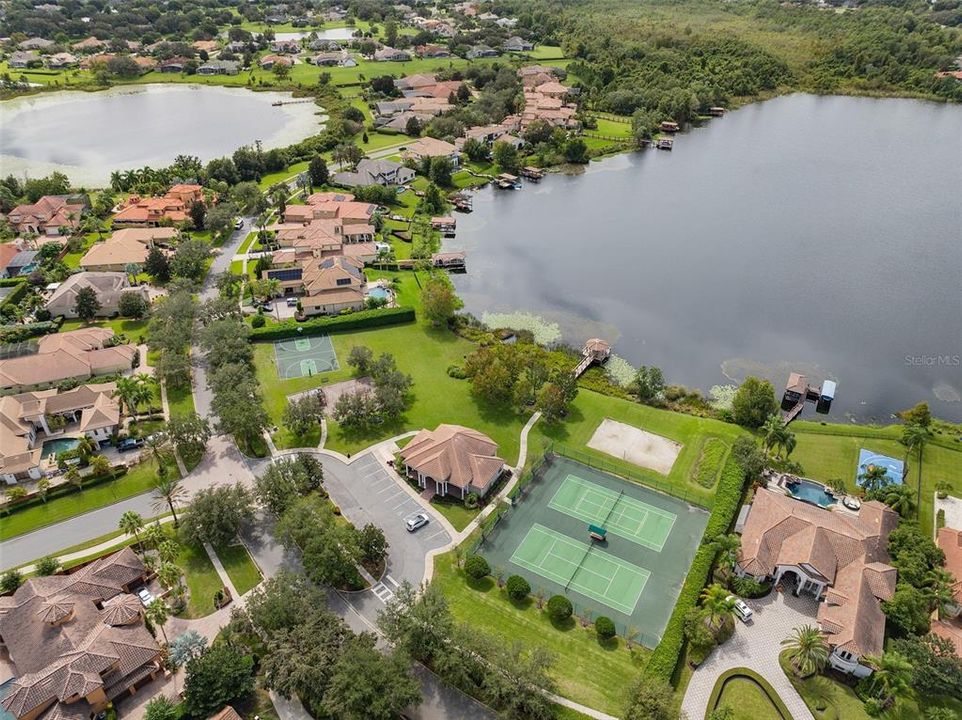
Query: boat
point(665, 143)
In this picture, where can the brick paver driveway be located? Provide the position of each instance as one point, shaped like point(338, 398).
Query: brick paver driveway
point(756, 647)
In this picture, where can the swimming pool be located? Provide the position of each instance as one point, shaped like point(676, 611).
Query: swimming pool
point(811, 492)
point(379, 292)
point(52, 447)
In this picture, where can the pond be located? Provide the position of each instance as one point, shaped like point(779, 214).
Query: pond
point(342, 33)
point(88, 135)
point(817, 234)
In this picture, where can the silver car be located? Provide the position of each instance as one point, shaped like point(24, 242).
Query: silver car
point(415, 521)
point(146, 597)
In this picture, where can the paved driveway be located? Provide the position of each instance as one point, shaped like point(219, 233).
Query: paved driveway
point(756, 647)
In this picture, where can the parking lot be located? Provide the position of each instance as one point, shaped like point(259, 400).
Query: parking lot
point(366, 492)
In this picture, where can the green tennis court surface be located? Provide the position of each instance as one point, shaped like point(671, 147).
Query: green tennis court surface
point(304, 356)
point(582, 568)
point(619, 514)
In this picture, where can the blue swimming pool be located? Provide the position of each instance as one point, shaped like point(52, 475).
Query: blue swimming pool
point(52, 447)
point(380, 293)
point(811, 492)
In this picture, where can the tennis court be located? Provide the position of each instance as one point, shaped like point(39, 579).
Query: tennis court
point(305, 356)
point(617, 513)
point(633, 576)
point(582, 568)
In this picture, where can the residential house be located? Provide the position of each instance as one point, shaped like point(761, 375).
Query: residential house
point(8, 251)
point(207, 46)
point(399, 123)
point(115, 255)
point(24, 59)
point(77, 642)
point(187, 193)
point(153, 211)
point(219, 67)
point(145, 63)
point(269, 61)
point(949, 541)
point(286, 47)
point(432, 51)
point(375, 172)
point(321, 44)
point(517, 44)
point(506, 22)
point(173, 65)
point(51, 215)
point(90, 44)
point(481, 51)
point(108, 286)
point(431, 147)
point(74, 355)
point(453, 460)
point(840, 559)
point(389, 54)
point(332, 285)
point(59, 61)
point(22, 263)
point(36, 43)
point(414, 82)
point(27, 419)
point(149, 236)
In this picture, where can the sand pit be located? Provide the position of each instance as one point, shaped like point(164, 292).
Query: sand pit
point(636, 446)
point(334, 391)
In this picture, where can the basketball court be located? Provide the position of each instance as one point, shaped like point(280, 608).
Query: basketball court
point(305, 356)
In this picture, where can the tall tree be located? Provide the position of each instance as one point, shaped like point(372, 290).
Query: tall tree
point(170, 492)
point(914, 437)
point(806, 650)
point(754, 402)
point(87, 304)
point(220, 675)
point(131, 523)
point(439, 301)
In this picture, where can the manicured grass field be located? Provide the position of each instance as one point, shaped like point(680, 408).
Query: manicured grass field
point(138, 480)
point(748, 700)
point(133, 329)
point(585, 670)
point(202, 580)
point(421, 351)
point(240, 568)
point(456, 513)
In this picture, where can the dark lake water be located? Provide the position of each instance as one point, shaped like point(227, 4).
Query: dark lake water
point(821, 234)
point(87, 135)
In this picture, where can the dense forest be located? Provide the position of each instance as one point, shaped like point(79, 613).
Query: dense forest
point(674, 57)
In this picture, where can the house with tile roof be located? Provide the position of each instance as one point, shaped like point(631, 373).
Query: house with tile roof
point(51, 215)
point(839, 557)
point(375, 172)
point(74, 355)
point(27, 419)
point(949, 541)
point(108, 286)
point(114, 255)
point(429, 147)
point(77, 642)
point(453, 460)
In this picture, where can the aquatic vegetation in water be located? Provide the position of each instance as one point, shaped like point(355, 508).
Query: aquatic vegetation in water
point(620, 371)
point(722, 396)
point(545, 333)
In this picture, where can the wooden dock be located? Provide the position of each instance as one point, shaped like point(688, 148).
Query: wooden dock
point(594, 351)
point(798, 391)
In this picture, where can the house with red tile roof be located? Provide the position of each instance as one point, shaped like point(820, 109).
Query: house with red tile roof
point(51, 215)
point(840, 558)
point(453, 460)
point(151, 212)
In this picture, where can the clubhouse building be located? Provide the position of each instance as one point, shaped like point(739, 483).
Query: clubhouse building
point(453, 460)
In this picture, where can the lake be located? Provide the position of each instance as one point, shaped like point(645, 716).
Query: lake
point(88, 135)
point(818, 234)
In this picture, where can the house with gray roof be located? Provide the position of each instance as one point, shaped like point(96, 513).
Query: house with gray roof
point(375, 172)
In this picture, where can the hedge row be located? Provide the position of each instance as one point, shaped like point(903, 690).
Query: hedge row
point(10, 282)
point(352, 321)
point(18, 333)
point(65, 489)
point(754, 677)
point(19, 290)
point(664, 658)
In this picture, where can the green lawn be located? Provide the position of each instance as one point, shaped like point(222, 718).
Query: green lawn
point(249, 240)
point(133, 329)
point(748, 700)
point(140, 479)
point(590, 409)
point(202, 580)
point(456, 513)
point(545, 52)
point(281, 176)
point(180, 400)
point(825, 456)
point(72, 259)
point(584, 670)
point(240, 568)
point(420, 350)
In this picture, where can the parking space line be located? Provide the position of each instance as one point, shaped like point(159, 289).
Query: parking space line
point(403, 502)
point(429, 537)
point(393, 581)
point(386, 488)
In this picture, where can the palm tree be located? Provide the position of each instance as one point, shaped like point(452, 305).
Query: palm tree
point(154, 535)
point(168, 551)
point(85, 446)
point(74, 477)
point(898, 497)
point(43, 487)
point(891, 678)
point(169, 575)
point(156, 447)
point(127, 392)
point(938, 589)
point(168, 491)
point(806, 650)
point(770, 430)
point(158, 613)
point(873, 477)
point(100, 464)
point(726, 548)
point(131, 523)
point(718, 606)
point(914, 437)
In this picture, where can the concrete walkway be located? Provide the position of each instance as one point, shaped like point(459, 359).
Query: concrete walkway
point(756, 647)
point(221, 571)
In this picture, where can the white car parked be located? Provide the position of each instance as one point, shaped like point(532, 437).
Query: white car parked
point(742, 610)
point(415, 521)
point(146, 597)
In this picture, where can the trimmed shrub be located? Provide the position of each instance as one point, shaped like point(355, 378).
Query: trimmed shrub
point(747, 588)
point(518, 588)
point(559, 608)
point(731, 487)
point(605, 627)
point(476, 567)
point(258, 321)
point(335, 323)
